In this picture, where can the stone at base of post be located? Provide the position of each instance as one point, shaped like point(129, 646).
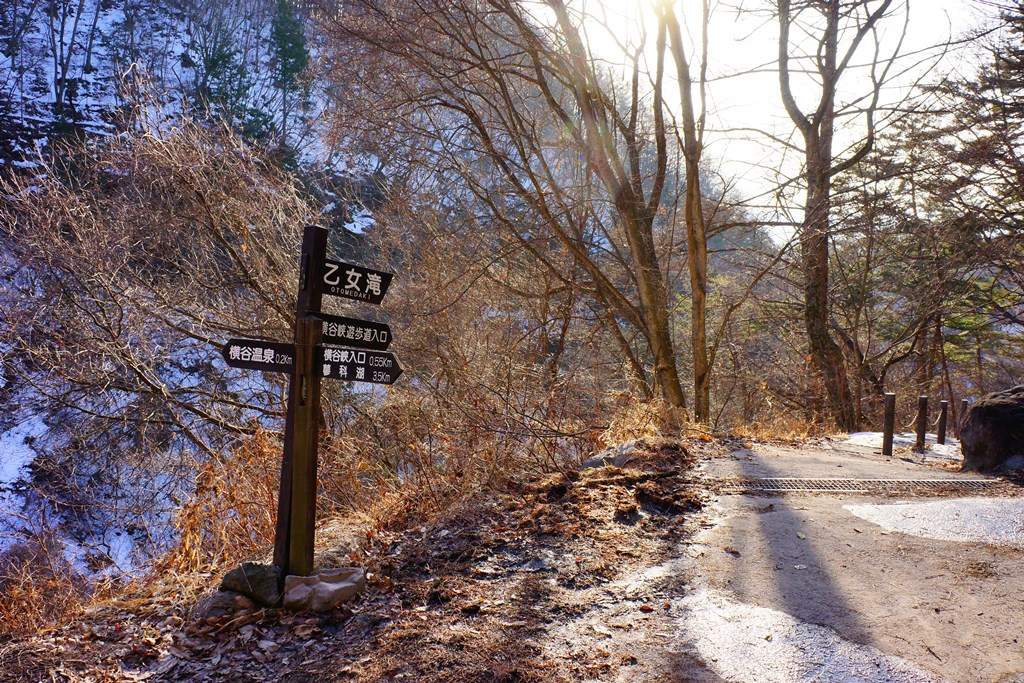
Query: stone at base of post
point(324, 590)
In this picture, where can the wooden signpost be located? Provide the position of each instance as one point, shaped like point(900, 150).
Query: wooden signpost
point(308, 360)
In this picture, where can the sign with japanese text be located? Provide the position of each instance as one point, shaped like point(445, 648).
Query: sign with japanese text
point(357, 366)
point(309, 360)
point(355, 282)
point(360, 334)
point(256, 354)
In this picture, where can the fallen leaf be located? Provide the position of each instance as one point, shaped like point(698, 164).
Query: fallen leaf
point(305, 630)
point(269, 645)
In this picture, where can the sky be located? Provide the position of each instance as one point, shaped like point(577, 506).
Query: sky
point(743, 92)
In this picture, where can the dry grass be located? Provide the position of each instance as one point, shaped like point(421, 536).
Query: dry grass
point(232, 511)
point(229, 516)
point(781, 427)
point(39, 588)
point(643, 420)
point(33, 598)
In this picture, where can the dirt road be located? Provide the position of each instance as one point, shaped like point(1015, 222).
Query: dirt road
point(807, 586)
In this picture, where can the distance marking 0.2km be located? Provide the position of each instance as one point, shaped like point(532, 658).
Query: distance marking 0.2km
point(256, 354)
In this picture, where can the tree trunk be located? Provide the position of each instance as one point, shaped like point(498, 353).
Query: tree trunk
point(817, 129)
point(665, 373)
point(698, 263)
point(696, 233)
point(654, 303)
point(826, 356)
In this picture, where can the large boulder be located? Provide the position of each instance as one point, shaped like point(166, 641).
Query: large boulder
point(992, 432)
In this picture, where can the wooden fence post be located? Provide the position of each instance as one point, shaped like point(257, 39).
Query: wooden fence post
point(922, 422)
point(940, 432)
point(888, 423)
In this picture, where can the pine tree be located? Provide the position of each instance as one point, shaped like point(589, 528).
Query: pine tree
point(290, 60)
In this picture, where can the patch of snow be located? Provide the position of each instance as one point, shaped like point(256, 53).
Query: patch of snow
point(111, 554)
point(360, 222)
point(989, 520)
point(743, 642)
point(947, 451)
point(15, 447)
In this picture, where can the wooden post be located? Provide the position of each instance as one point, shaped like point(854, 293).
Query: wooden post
point(302, 517)
point(922, 422)
point(940, 432)
point(296, 502)
point(888, 423)
point(962, 416)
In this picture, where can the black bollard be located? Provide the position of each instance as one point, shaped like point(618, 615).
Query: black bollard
point(963, 416)
point(888, 423)
point(922, 422)
point(940, 434)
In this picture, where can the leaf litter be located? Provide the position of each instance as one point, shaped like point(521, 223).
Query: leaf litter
point(478, 595)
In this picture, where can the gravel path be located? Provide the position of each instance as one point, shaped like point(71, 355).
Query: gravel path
point(838, 587)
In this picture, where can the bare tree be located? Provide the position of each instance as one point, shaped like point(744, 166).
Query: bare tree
point(692, 143)
point(515, 104)
point(834, 31)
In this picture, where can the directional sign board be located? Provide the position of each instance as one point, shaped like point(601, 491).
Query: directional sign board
point(354, 282)
point(357, 366)
point(256, 354)
point(364, 360)
point(360, 334)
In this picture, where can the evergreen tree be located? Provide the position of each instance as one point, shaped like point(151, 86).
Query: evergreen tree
point(290, 60)
point(980, 150)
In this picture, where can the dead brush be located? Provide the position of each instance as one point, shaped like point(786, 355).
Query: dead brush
point(400, 477)
point(232, 511)
point(635, 420)
point(780, 427)
point(38, 587)
point(421, 456)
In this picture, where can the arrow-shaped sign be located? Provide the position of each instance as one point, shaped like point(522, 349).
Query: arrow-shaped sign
point(360, 334)
point(358, 366)
point(256, 354)
point(354, 282)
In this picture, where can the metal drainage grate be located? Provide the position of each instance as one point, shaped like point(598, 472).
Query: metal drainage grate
point(862, 485)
